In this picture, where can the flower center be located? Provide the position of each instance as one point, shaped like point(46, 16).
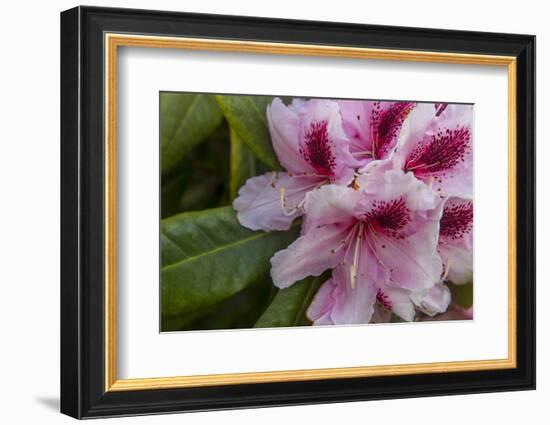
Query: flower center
point(386, 126)
point(318, 150)
point(445, 150)
point(457, 219)
point(388, 217)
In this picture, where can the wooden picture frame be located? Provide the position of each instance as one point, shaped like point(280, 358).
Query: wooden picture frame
point(90, 39)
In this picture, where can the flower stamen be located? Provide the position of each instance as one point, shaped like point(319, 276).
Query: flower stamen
point(447, 268)
point(360, 153)
point(353, 267)
point(345, 241)
point(286, 211)
point(419, 166)
point(373, 249)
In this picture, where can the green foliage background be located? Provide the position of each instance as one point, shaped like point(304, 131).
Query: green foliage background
point(215, 273)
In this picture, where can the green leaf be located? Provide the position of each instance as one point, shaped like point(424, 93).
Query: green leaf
point(207, 256)
point(201, 178)
point(183, 322)
point(239, 311)
point(394, 318)
point(243, 164)
point(201, 193)
point(290, 305)
point(172, 191)
point(186, 120)
point(247, 116)
point(463, 295)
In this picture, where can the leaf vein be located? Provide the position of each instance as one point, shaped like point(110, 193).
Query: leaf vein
point(173, 242)
point(258, 111)
point(215, 250)
point(183, 121)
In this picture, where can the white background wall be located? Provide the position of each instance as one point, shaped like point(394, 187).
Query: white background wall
point(29, 211)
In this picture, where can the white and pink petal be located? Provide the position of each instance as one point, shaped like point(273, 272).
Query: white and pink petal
point(456, 239)
point(273, 200)
point(284, 127)
point(310, 255)
point(330, 204)
point(396, 300)
point(374, 127)
point(323, 143)
point(338, 303)
point(434, 300)
point(412, 262)
point(320, 310)
point(438, 150)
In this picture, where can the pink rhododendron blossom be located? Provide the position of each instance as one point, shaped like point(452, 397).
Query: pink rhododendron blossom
point(456, 239)
point(437, 148)
point(434, 300)
point(386, 190)
point(380, 239)
point(431, 301)
point(311, 145)
point(373, 127)
point(454, 312)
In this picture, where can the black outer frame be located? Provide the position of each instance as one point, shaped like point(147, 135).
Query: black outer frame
point(82, 216)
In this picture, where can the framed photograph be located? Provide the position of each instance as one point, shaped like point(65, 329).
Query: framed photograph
point(261, 212)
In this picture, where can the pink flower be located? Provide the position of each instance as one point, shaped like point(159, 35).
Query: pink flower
point(380, 240)
point(438, 148)
point(439, 108)
point(456, 239)
point(311, 145)
point(454, 312)
point(433, 301)
point(373, 128)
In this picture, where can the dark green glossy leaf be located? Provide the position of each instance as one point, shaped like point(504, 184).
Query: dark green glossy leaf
point(247, 117)
point(239, 311)
point(289, 306)
point(186, 120)
point(243, 164)
point(207, 256)
point(201, 193)
point(183, 322)
point(463, 295)
point(201, 179)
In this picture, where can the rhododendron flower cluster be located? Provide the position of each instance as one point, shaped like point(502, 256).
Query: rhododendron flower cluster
point(386, 194)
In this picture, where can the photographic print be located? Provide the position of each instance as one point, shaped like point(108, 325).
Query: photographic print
point(238, 209)
point(292, 211)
